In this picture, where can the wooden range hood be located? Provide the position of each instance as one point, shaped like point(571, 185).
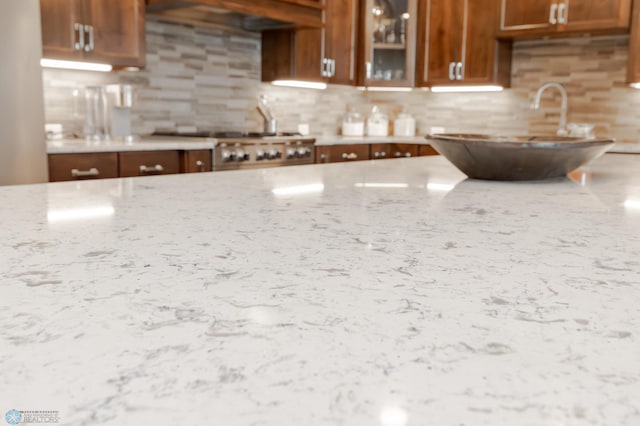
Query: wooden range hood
point(250, 15)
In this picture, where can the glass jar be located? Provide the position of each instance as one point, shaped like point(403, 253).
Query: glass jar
point(353, 124)
point(377, 123)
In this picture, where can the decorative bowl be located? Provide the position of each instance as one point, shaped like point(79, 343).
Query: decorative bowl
point(517, 157)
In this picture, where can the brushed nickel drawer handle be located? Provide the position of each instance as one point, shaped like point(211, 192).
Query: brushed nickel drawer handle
point(402, 154)
point(352, 156)
point(200, 166)
point(85, 173)
point(381, 154)
point(155, 169)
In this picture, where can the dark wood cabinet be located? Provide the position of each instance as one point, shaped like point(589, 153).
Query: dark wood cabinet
point(520, 18)
point(426, 150)
point(149, 163)
point(633, 64)
point(380, 151)
point(314, 54)
point(457, 44)
point(387, 37)
point(196, 161)
point(65, 167)
point(94, 30)
point(342, 153)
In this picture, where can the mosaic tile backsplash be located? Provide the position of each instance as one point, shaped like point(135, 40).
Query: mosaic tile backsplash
point(210, 79)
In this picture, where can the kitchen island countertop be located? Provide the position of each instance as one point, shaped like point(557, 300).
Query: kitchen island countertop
point(155, 143)
point(385, 293)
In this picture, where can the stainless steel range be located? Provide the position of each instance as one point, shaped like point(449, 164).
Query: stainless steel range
point(236, 151)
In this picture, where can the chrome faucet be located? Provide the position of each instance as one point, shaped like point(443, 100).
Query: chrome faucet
point(562, 130)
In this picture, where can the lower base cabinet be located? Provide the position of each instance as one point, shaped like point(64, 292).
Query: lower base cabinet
point(374, 151)
point(342, 153)
point(102, 165)
point(63, 167)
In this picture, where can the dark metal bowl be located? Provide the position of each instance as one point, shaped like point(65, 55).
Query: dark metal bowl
point(517, 157)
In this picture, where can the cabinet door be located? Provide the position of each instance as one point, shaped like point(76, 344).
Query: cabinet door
point(116, 31)
point(388, 36)
point(442, 41)
point(340, 42)
point(196, 161)
point(484, 59)
point(64, 167)
point(62, 29)
point(148, 163)
point(590, 15)
point(342, 153)
point(528, 16)
point(292, 54)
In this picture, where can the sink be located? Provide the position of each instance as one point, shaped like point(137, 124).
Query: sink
point(517, 157)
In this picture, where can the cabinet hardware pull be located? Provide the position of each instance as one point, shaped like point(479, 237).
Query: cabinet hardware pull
point(85, 173)
point(562, 13)
point(402, 154)
point(380, 154)
point(155, 169)
point(452, 67)
point(368, 70)
point(459, 72)
point(200, 166)
point(79, 44)
point(324, 158)
point(324, 71)
point(332, 67)
point(351, 156)
point(89, 30)
point(552, 14)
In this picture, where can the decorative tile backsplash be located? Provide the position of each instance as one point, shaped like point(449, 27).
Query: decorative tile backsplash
point(210, 79)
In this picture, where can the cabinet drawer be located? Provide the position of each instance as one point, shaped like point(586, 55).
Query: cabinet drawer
point(426, 150)
point(339, 153)
point(148, 163)
point(400, 150)
point(380, 151)
point(63, 167)
point(196, 161)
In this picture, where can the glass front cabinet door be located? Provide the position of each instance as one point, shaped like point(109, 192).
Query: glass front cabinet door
point(389, 37)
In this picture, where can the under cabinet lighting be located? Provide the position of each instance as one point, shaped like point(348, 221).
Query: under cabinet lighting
point(72, 65)
point(459, 89)
point(300, 84)
point(635, 85)
point(386, 89)
point(632, 204)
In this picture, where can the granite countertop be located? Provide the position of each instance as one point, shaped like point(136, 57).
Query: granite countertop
point(373, 293)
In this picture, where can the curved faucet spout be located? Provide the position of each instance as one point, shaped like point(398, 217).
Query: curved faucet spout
point(562, 130)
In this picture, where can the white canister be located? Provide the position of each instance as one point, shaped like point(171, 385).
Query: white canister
point(404, 125)
point(377, 123)
point(352, 124)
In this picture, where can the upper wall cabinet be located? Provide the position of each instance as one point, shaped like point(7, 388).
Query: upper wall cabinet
point(94, 30)
point(457, 44)
point(556, 17)
point(314, 54)
point(388, 38)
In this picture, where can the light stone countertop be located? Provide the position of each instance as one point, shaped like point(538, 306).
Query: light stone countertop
point(340, 140)
point(76, 146)
point(391, 292)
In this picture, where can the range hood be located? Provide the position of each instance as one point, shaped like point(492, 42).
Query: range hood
point(247, 15)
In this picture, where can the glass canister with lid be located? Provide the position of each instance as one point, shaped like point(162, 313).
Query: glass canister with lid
point(404, 124)
point(377, 123)
point(352, 123)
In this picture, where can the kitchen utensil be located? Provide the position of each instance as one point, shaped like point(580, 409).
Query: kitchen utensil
point(517, 157)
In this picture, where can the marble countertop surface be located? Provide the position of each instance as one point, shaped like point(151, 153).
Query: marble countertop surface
point(390, 293)
point(340, 140)
point(76, 146)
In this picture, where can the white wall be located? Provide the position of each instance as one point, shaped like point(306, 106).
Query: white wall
point(22, 146)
